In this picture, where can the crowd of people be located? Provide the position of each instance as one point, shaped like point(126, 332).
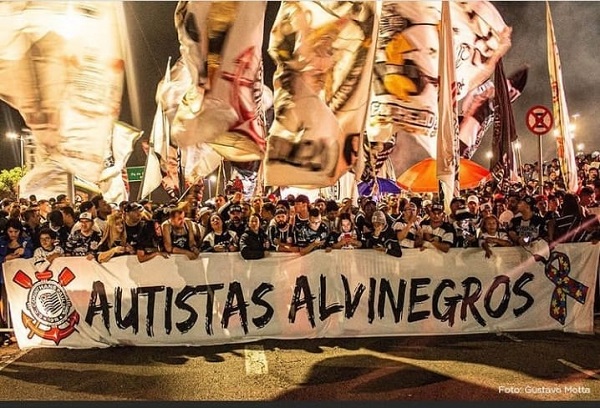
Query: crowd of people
point(496, 214)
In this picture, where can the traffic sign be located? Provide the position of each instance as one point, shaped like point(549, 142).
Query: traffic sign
point(539, 120)
point(135, 173)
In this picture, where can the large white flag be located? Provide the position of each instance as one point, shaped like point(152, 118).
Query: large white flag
point(159, 145)
point(62, 68)
point(404, 100)
point(564, 139)
point(221, 50)
point(324, 55)
point(447, 139)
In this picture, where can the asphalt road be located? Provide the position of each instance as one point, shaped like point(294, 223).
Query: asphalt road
point(535, 366)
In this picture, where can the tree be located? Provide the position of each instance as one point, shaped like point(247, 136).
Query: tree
point(9, 182)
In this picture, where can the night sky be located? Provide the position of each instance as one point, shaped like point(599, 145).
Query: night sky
point(576, 24)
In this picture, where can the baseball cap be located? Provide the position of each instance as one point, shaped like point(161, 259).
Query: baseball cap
point(133, 207)
point(235, 208)
point(473, 199)
point(86, 216)
point(378, 216)
point(437, 207)
point(280, 211)
point(463, 214)
point(530, 201)
point(204, 210)
point(457, 200)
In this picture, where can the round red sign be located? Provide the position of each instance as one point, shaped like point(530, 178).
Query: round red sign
point(539, 120)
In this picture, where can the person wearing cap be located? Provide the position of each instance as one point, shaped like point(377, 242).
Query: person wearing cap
point(85, 206)
point(473, 207)
point(85, 241)
point(235, 222)
point(223, 209)
point(280, 232)
point(435, 232)
point(527, 226)
point(383, 238)
point(407, 226)
point(465, 233)
point(455, 204)
point(134, 225)
point(140, 234)
point(203, 221)
point(178, 234)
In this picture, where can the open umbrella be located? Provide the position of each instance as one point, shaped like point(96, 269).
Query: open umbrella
point(384, 186)
point(421, 178)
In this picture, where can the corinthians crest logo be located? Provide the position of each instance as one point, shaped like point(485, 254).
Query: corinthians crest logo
point(50, 316)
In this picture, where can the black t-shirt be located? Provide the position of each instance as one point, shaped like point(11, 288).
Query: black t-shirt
point(135, 234)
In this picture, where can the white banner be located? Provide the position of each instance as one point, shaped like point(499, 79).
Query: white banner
point(221, 298)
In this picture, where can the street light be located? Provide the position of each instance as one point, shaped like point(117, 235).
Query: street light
point(580, 147)
point(489, 155)
point(14, 135)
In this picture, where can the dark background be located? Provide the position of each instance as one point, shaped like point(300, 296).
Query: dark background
point(153, 39)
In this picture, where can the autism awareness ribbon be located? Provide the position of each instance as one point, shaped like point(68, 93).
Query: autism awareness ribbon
point(565, 285)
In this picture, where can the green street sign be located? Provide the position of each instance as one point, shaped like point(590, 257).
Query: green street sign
point(135, 173)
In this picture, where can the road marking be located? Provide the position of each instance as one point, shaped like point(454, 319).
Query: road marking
point(511, 337)
point(256, 360)
point(582, 370)
point(6, 362)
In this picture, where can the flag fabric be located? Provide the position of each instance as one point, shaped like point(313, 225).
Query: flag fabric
point(477, 111)
point(502, 164)
point(159, 148)
point(66, 84)
point(112, 183)
point(447, 139)
point(324, 55)
point(221, 46)
point(404, 90)
point(564, 138)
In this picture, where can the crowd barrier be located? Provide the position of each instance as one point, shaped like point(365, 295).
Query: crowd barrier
point(222, 298)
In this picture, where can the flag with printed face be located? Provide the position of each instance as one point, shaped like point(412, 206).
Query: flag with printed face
point(324, 56)
point(404, 100)
point(447, 138)
point(564, 138)
point(221, 46)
